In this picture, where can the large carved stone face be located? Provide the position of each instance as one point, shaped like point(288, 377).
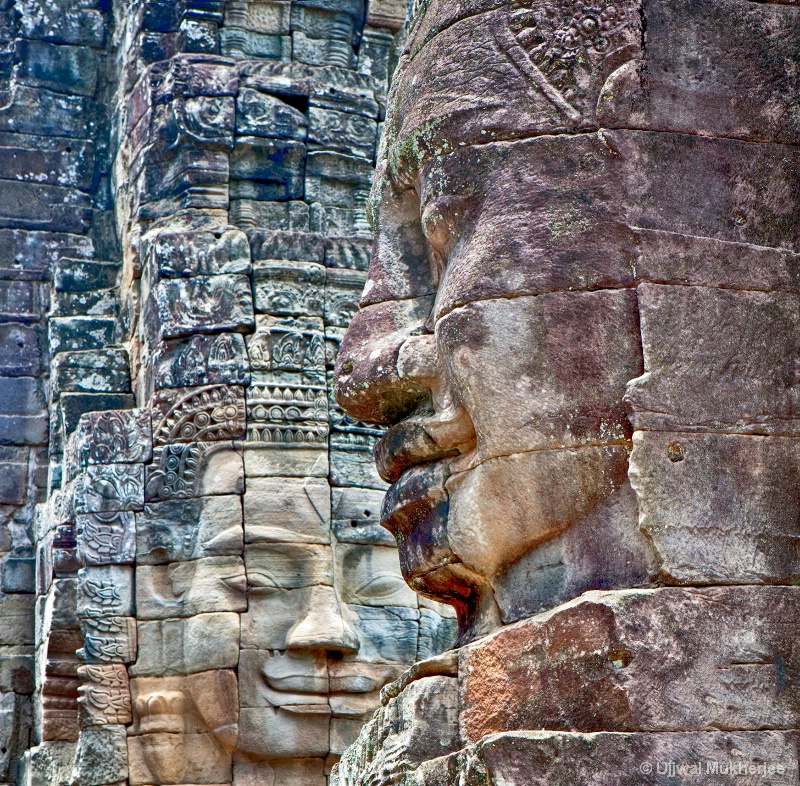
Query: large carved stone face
point(498, 326)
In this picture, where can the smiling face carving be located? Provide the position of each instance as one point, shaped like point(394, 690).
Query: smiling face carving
point(498, 326)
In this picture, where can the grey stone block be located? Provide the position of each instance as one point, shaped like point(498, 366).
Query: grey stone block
point(19, 575)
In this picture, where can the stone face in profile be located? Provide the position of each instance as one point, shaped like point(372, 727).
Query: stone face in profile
point(610, 236)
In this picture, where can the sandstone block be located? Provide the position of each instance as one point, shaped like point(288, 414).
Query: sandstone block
point(370, 576)
point(260, 114)
point(105, 697)
point(94, 371)
point(108, 640)
point(275, 679)
point(112, 437)
point(356, 516)
point(591, 664)
point(186, 646)
point(386, 635)
point(288, 289)
point(101, 756)
point(201, 360)
point(710, 520)
point(173, 531)
point(298, 461)
point(183, 589)
point(106, 538)
point(109, 488)
point(288, 565)
point(178, 758)
point(728, 371)
point(176, 251)
point(175, 310)
point(207, 414)
point(283, 733)
point(194, 469)
point(105, 591)
point(287, 509)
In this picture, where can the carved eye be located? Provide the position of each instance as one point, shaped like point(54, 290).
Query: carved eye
point(381, 586)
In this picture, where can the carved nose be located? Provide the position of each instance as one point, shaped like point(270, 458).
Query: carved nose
point(323, 624)
point(369, 386)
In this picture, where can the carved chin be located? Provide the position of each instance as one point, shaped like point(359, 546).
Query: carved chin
point(166, 757)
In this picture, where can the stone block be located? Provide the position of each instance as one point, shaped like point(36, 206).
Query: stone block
point(105, 591)
point(728, 371)
point(387, 13)
point(386, 635)
point(40, 206)
point(19, 350)
point(183, 589)
point(661, 759)
point(289, 288)
point(62, 23)
point(288, 565)
point(287, 355)
point(285, 772)
point(195, 704)
point(186, 646)
point(83, 275)
point(374, 54)
point(271, 244)
point(48, 763)
point(271, 169)
point(21, 396)
point(19, 574)
point(68, 334)
point(343, 290)
point(19, 300)
point(37, 253)
point(247, 44)
point(275, 732)
point(178, 758)
point(62, 68)
point(106, 538)
point(212, 413)
point(348, 252)
point(95, 371)
point(336, 179)
point(190, 529)
point(260, 114)
point(201, 360)
point(370, 576)
point(23, 430)
point(200, 304)
point(75, 405)
point(602, 648)
point(341, 132)
point(108, 488)
point(17, 614)
point(194, 469)
point(264, 16)
point(287, 510)
point(437, 633)
point(719, 508)
point(354, 465)
point(180, 249)
point(251, 213)
point(290, 461)
point(108, 640)
point(277, 679)
point(111, 437)
point(356, 516)
point(101, 756)
point(13, 479)
point(39, 111)
point(322, 51)
point(105, 697)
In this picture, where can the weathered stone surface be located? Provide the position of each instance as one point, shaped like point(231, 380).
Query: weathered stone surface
point(260, 114)
point(370, 576)
point(264, 168)
point(590, 664)
point(105, 697)
point(681, 759)
point(179, 530)
point(105, 591)
point(201, 360)
point(96, 371)
point(356, 516)
point(211, 413)
point(112, 437)
point(276, 732)
point(194, 469)
point(731, 372)
point(108, 488)
point(291, 510)
point(262, 460)
point(101, 756)
point(288, 565)
point(210, 304)
point(183, 589)
point(177, 758)
point(708, 522)
point(108, 640)
point(289, 288)
point(106, 538)
point(186, 646)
